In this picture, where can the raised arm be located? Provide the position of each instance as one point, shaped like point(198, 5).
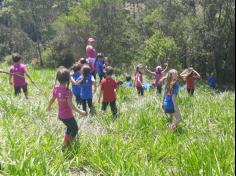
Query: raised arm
point(197, 74)
point(166, 67)
point(149, 71)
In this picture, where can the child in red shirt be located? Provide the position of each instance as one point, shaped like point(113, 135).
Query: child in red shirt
point(108, 91)
point(190, 75)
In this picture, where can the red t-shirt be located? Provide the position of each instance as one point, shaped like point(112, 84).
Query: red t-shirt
point(191, 82)
point(108, 87)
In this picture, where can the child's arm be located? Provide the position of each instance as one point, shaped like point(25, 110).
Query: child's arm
point(197, 74)
point(95, 86)
point(100, 95)
point(73, 81)
point(10, 79)
point(174, 102)
point(149, 71)
point(166, 64)
point(72, 106)
point(51, 103)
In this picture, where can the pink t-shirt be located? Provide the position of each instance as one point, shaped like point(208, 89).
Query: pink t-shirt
point(138, 77)
point(62, 94)
point(91, 52)
point(19, 69)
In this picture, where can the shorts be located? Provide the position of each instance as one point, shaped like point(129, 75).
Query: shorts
point(159, 89)
point(140, 91)
point(18, 89)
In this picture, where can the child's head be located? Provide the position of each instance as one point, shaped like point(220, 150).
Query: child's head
point(82, 61)
point(91, 41)
point(63, 76)
point(128, 78)
point(139, 68)
point(158, 69)
point(16, 57)
point(171, 79)
point(86, 70)
point(76, 68)
point(100, 56)
point(107, 61)
point(109, 71)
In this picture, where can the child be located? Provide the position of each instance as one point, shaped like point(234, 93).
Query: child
point(86, 83)
point(107, 62)
point(17, 76)
point(190, 75)
point(212, 80)
point(138, 81)
point(158, 75)
point(65, 106)
point(108, 91)
point(128, 82)
point(82, 61)
point(91, 55)
point(171, 92)
point(76, 88)
point(99, 66)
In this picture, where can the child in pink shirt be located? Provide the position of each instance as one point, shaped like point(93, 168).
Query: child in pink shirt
point(138, 80)
point(17, 76)
point(65, 106)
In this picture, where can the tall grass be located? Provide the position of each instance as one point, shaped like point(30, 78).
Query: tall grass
point(138, 142)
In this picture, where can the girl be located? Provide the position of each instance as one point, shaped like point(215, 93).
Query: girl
point(171, 92)
point(190, 76)
point(91, 55)
point(107, 63)
point(158, 75)
point(65, 106)
point(99, 66)
point(212, 80)
point(86, 83)
point(138, 80)
point(17, 76)
point(76, 88)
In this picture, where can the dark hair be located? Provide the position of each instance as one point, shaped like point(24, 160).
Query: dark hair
point(16, 57)
point(109, 70)
point(83, 61)
point(76, 68)
point(100, 55)
point(128, 78)
point(86, 70)
point(63, 76)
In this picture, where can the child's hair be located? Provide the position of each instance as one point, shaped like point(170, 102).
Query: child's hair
point(16, 57)
point(100, 56)
point(86, 70)
point(138, 68)
point(169, 81)
point(109, 71)
point(108, 60)
point(158, 69)
point(63, 76)
point(76, 67)
point(128, 78)
point(82, 61)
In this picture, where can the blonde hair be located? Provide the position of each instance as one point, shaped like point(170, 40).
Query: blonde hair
point(169, 81)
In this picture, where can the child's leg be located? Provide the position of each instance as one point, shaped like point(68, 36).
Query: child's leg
point(25, 90)
point(142, 91)
point(84, 105)
point(104, 106)
point(78, 100)
point(113, 108)
point(17, 90)
point(159, 89)
point(91, 107)
point(177, 116)
point(72, 129)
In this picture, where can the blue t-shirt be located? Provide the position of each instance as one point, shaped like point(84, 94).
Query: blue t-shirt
point(168, 102)
point(212, 81)
point(99, 67)
point(76, 88)
point(86, 88)
point(127, 84)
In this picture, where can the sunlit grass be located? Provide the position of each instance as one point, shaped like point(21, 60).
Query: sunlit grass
point(138, 142)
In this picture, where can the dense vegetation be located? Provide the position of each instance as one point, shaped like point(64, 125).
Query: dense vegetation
point(181, 32)
point(138, 142)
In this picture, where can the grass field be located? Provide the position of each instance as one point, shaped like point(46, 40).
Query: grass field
point(138, 142)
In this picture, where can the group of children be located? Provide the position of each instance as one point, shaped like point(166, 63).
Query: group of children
point(83, 80)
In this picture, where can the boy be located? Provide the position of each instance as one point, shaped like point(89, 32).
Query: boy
point(17, 77)
point(108, 91)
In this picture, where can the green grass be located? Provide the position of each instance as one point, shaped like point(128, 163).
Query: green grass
point(138, 142)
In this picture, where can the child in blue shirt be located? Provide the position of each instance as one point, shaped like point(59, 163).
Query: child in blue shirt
point(171, 92)
point(99, 65)
point(75, 87)
point(86, 83)
point(128, 81)
point(212, 80)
